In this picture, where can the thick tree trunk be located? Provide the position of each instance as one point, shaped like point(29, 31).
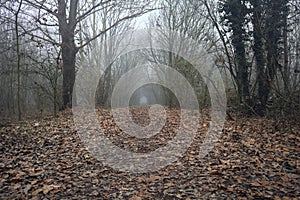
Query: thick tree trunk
point(258, 47)
point(67, 25)
point(242, 65)
point(274, 27)
point(69, 58)
point(236, 15)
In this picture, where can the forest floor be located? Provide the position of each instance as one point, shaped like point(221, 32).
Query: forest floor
point(255, 158)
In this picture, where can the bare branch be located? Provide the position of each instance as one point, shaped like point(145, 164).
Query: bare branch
point(91, 10)
point(113, 25)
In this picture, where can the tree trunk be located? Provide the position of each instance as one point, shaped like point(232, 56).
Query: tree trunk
point(69, 58)
point(238, 40)
point(18, 60)
point(258, 47)
point(274, 27)
point(67, 25)
point(235, 17)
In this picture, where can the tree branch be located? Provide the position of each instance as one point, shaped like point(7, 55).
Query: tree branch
point(112, 26)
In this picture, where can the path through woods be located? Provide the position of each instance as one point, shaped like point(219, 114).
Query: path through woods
point(45, 159)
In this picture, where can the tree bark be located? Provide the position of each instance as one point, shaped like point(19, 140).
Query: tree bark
point(258, 48)
point(18, 59)
point(69, 50)
point(69, 58)
point(236, 14)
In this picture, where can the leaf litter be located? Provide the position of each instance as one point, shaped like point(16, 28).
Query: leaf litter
point(254, 159)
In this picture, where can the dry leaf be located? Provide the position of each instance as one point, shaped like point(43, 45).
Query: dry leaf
point(36, 192)
point(140, 180)
point(256, 183)
point(135, 198)
point(17, 186)
point(153, 178)
point(215, 172)
point(33, 182)
point(169, 184)
point(48, 188)
point(19, 175)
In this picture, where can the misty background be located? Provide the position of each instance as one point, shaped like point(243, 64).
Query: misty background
point(255, 45)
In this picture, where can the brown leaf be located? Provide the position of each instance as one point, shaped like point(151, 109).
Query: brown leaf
point(215, 172)
point(20, 175)
point(36, 192)
point(17, 186)
point(140, 180)
point(48, 180)
point(169, 184)
point(48, 188)
point(256, 184)
point(230, 189)
point(135, 198)
point(153, 178)
point(33, 182)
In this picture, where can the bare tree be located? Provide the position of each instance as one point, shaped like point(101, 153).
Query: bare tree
point(188, 18)
point(18, 56)
point(68, 15)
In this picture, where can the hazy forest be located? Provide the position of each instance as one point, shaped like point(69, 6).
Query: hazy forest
point(149, 99)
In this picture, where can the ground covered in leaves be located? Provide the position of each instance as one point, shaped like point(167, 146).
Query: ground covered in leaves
point(256, 158)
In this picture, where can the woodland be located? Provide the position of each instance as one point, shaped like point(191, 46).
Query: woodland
point(68, 66)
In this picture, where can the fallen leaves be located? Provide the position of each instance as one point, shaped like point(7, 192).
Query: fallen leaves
point(215, 172)
point(256, 184)
point(20, 175)
point(135, 198)
point(169, 184)
point(46, 159)
point(153, 178)
point(46, 189)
